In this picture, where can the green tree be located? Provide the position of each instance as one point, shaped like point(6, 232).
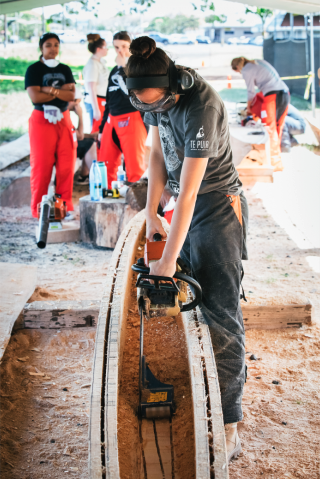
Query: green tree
point(177, 24)
point(216, 18)
point(263, 13)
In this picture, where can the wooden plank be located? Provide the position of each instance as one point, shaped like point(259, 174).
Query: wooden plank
point(96, 436)
point(69, 233)
point(200, 416)
point(150, 450)
point(14, 151)
point(219, 442)
point(116, 337)
point(276, 316)
point(18, 282)
point(163, 430)
point(60, 314)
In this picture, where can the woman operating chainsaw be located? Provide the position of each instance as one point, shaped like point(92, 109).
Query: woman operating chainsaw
point(51, 86)
point(191, 153)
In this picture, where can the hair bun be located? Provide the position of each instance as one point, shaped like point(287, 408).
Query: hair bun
point(93, 37)
point(143, 47)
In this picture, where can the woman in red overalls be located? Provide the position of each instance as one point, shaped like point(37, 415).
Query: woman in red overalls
point(270, 104)
point(122, 126)
point(50, 86)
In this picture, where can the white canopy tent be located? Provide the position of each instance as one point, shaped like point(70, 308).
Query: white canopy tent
point(12, 6)
point(303, 7)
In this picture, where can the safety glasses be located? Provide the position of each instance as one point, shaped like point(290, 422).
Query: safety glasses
point(159, 106)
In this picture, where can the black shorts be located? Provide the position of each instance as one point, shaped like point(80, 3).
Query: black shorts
point(83, 147)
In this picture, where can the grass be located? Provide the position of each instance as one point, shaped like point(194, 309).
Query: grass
point(18, 66)
point(8, 134)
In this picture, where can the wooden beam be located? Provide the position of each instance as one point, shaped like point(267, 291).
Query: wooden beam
point(276, 317)
point(60, 314)
point(96, 436)
point(18, 282)
point(14, 151)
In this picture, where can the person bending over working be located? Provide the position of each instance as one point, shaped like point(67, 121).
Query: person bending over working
point(95, 75)
point(51, 85)
point(191, 152)
point(122, 126)
point(270, 104)
point(86, 150)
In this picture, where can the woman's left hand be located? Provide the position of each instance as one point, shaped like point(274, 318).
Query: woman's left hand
point(161, 268)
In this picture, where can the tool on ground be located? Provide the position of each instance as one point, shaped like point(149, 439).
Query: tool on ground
point(159, 296)
point(110, 193)
point(51, 211)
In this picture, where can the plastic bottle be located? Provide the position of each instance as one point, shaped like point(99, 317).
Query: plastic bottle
point(103, 172)
point(121, 176)
point(95, 182)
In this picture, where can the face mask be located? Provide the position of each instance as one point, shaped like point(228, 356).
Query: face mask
point(52, 63)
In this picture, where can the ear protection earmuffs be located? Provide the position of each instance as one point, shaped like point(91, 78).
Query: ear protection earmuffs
point(176, 80)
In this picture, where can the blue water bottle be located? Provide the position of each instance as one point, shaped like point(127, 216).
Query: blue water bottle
point(95, 182)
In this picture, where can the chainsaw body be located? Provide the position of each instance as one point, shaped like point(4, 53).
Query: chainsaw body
point(159, 296)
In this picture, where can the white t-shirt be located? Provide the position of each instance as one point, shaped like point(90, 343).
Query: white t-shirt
point(262, 75)
point(96, 71)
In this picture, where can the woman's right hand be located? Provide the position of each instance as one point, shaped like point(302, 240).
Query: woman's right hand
point(154, 225)
point(97, 115)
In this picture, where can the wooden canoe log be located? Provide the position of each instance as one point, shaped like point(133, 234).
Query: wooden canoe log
point(207, 412)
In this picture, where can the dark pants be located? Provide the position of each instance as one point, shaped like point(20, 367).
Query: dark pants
point(213, 251)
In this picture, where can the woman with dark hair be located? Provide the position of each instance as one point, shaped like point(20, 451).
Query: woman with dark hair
point(122, 128)
point(191, 152)
point(50, 86)
point(95, 75)
point(270, 104)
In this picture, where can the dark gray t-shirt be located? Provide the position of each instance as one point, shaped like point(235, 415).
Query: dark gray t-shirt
point(197, 127)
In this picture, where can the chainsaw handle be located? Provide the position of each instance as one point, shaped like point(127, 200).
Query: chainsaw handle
point(137, 268)
point(197, 289)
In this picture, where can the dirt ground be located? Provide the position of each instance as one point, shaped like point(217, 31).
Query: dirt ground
point(277, 272)
point(45, 417)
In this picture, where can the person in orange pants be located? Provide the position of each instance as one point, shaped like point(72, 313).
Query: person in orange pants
point(122, 128)
point(51, 86)
point(127, 134)
point(272, 109)
point(51, 145)
point(271, 104)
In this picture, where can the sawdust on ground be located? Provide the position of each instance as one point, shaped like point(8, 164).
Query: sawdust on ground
point(280, 432)
point(45, 415)
point(166, 353)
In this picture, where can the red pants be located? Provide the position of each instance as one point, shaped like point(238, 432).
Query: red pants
point(96, 124)
point(265, 107)
point(128, 134)
point(51, 145)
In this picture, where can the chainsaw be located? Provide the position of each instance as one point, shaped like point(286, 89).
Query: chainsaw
point(159, 296)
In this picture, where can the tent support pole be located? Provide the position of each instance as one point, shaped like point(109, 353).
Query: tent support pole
point(313, 88)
